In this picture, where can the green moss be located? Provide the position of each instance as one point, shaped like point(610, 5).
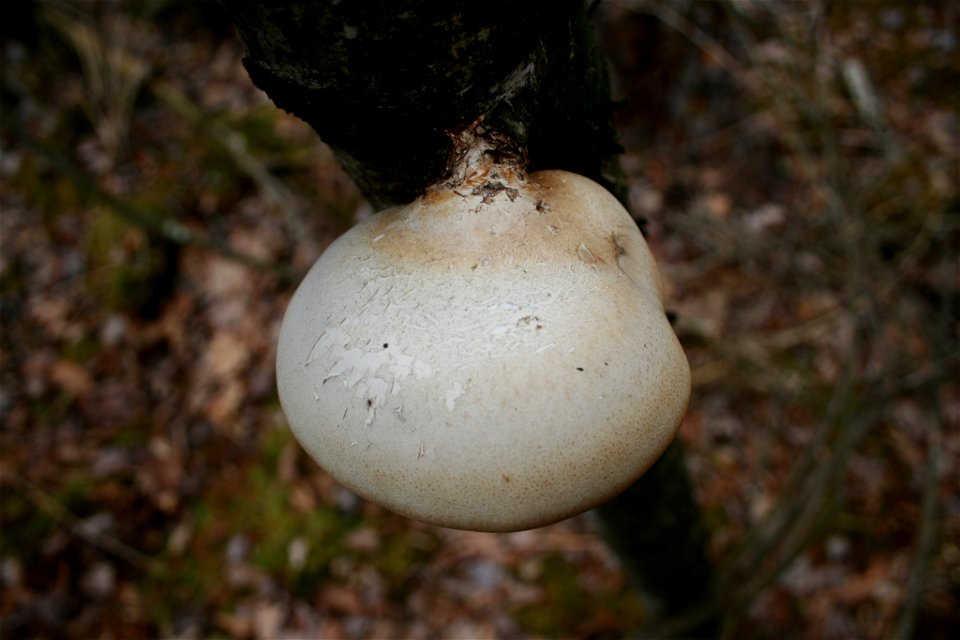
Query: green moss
point(126, 264)
point(22, 525)
point(82, 350)
point(258, 507)
point(49, 192)
point(273, 524)
point(570, 609)
point(399, 559)
point(259, 127)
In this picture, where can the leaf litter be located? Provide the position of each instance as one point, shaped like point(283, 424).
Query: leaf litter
point(797, 168)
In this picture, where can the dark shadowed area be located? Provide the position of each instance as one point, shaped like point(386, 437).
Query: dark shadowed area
point(797, 166)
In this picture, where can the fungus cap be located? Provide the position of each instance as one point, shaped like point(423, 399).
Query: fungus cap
point(493, 356)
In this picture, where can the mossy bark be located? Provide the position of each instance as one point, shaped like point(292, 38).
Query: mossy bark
point(384, 84)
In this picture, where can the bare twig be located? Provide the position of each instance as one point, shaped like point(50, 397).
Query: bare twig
point(166, 227)
point(771, 546)
point(868, 105)
point(859, 401)
point(235, 144)
point(64, 517)
point(926, 536)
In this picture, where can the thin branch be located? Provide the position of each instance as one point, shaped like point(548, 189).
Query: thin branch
point(926, 537)
point(234, 143)
point(166, 227)
point(868, 105)
point(64, 517)
point(927, 533)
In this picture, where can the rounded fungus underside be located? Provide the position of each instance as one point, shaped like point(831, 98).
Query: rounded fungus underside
point(493, 356)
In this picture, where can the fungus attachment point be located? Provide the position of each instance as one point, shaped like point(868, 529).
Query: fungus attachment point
point(531, 372)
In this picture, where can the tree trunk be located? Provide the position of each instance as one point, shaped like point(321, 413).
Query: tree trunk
point(384, 83)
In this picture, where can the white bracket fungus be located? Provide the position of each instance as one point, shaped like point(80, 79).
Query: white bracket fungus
point(499, 347)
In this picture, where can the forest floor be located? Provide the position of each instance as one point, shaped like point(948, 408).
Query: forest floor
point(798, 170)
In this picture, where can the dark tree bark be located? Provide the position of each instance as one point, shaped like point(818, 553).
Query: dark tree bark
point(383, 83)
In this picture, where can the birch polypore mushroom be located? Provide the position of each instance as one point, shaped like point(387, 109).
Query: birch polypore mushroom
point(493, 356)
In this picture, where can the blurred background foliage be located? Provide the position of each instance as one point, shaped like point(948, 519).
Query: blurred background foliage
point(797, 165)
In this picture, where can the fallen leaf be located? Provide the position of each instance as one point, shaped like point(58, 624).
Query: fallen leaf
point(71, 377)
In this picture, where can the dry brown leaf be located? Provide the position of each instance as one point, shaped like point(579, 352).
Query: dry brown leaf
point(51, 313)
point(303, 498)
point(238, 626)
point(873, 583)
point(341, 599)
point(719, 205)
point(223, 406)
point(267, 619)
point(226, 355)
point(225, 278)
point(71, 377)
point(363, 540)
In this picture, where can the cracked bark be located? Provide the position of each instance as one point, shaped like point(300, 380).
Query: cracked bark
point(384, 83)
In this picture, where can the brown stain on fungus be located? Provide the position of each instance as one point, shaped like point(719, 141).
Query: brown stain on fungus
point(618, 248)
point(587, 256)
